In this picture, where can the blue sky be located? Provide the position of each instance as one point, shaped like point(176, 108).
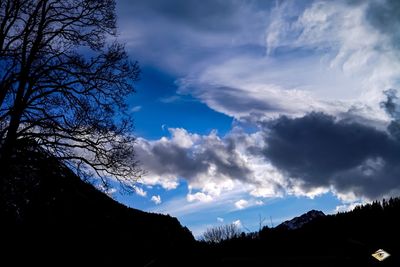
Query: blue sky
point(251, 108)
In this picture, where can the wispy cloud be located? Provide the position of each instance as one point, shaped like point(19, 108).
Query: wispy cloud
point(155, 30)
point(181, 207)
point(325, 57)
point(170, 99)
point(199, 196)
point(136, 108)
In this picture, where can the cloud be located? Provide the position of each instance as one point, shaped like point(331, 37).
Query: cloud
point(180, 207)
point(259, 203)
point(392, 107)
point(136, 108)
point(308, 76)
point(385, 16)
point(347, 207)
point(391, 104)
point(219, 219)
point(170, 99)
point(237, 223)
point(241, 204)
point(209, 15)
point(303, 156)
point(191, 157)
point(139, 191)
point(156, 199)
point(321, 56)
point(199, 196)
point(155, 30)
point(269, 58)
point(317, 151)
point(247, 203)
point(210, 164)
point(240, 99)
point(182, 139)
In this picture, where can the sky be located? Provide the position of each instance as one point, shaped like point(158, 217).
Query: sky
point(253, 112)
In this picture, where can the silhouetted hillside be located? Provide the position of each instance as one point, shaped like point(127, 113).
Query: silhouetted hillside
point(52, 213)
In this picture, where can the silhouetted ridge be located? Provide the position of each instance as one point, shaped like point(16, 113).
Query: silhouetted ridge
point(302, 220)
point(46, 203)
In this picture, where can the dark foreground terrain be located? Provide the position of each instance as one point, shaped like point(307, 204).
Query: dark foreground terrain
point(52, 216)
point(49, 215)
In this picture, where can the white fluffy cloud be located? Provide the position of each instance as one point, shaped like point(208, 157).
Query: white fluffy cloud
point(156, 199)
point(241, 204)
point(139, 191)
point(210, 164)
point(199, 196)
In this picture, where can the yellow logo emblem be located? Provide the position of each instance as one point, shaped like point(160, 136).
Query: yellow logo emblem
point(380, 255)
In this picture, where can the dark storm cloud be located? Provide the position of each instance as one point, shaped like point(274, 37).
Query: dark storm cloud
point(319, 151)
point(391, 104)
point(218, 15)
point(173, 159)
point(392, 108)
point(170, 158)
point(204, 15)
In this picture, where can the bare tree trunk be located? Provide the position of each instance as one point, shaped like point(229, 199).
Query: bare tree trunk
point(8, 145)
point(3, 94)
point(6, 153)
point(10, 140)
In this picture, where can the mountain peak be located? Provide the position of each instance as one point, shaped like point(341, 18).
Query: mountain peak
point(301, 220)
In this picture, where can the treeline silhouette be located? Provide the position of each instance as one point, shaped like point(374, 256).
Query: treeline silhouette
point(343, 239)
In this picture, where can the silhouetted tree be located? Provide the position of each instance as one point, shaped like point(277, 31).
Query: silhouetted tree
point(221, 233)
point(63, 83)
